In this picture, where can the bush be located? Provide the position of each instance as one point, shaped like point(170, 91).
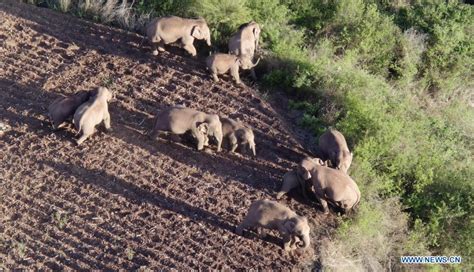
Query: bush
point(223, 17)
point(447, 64)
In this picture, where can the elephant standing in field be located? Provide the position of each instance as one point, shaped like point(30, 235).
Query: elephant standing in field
point(330, 184)
point(237, 134)
point(64, 107)
point(166, 30)
point(179, 120)
point(244, 42)
point(272, 215)
point(222, 63)
point(333, 145)
point(92, 113)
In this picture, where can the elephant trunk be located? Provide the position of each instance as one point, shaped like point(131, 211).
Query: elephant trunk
point(255, 64)
point(305, 242)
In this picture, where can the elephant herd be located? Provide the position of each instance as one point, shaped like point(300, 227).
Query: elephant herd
point(324, 177)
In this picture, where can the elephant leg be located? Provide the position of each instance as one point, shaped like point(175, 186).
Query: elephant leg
point(261, 233)
point(154, 48)
point(253, 75)
point(324, 203)
point(214, 75)
point(82, 139)
point(302, 184)
point(161, 46)
point(86, 133)
point(233, 142)
point(107, 121)
point(190, 49)
point(206, 141)
point(288, 184)
point(234, 71)
point(245, 224)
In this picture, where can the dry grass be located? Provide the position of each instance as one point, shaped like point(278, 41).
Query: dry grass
point(373, 242)
point(117, 12)
point(64, 5)
point(90, 6)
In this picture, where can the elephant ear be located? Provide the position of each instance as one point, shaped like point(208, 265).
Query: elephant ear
point(289, 225)
point(303, 173)
point(256, 34)
point(196, 32)
point(203, 128)
point(240, 134)
point(238, 61)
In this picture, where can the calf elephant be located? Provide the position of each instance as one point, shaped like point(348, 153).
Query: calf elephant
point(92, 113)
point(333, 145)
point(330, 184)
point(237, 134)
point(179, 120)
point(166, 30)
point(64, 107)
point(222, 63)
point(272, 215)
point(291, 180)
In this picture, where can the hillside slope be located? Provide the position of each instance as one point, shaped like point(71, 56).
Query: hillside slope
point(122, 200)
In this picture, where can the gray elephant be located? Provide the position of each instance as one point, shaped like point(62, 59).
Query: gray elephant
point(63, 108)
point(222, 63)
point(237, 134)
point(333, 145)
point(245, 42)
point(92, 113)
point(268, 214)
point(292, 180)
point(166, 30)
point(179, 120)
point(330, 184)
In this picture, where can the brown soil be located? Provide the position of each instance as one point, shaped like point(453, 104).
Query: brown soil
point(123, 201)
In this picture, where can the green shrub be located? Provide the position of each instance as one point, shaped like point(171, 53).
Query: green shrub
point(448, 59)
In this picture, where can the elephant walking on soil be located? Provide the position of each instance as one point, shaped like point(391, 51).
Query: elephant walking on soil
point(272, 215)
point(166, 30)
point(179, 120)
point(330, 184)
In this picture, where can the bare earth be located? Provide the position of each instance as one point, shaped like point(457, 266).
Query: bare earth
point(123, 201)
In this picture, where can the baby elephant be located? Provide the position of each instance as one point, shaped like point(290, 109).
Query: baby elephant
point(291, 180)
point(92, 113)
point(179, 120)
point(334, 147)
point(222, 63)
point(64, 107)
point(237, 133)
point(272, 215)
point(330, 184)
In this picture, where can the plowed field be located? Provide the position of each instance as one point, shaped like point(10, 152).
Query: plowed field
point(122, 200)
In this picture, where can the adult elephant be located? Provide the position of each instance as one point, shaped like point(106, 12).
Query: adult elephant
point(166, 30)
